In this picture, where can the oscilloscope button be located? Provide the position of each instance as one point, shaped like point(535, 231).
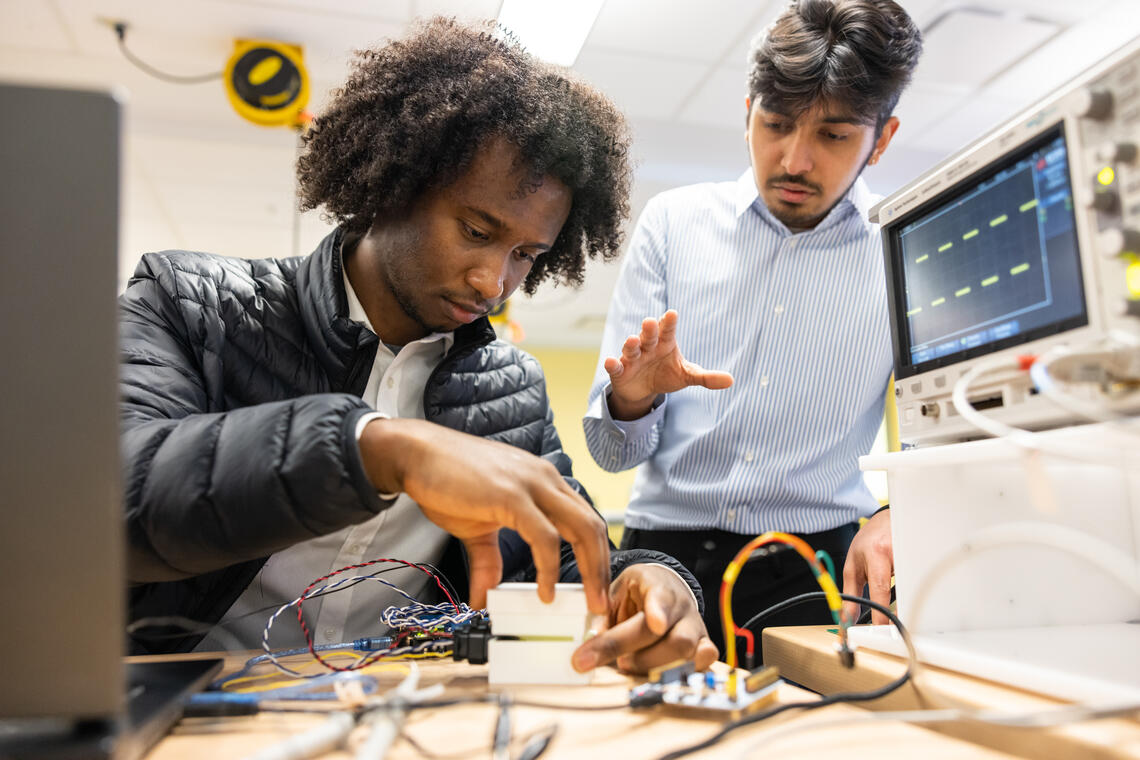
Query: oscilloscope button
point(1105, 201)
point(1095, 104)
point(1113, 152)
point(1117, 242)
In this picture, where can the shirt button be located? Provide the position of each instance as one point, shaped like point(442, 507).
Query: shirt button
point(391, 382)
point(763, 381)
point(730, 514)
point(779, 308)
point(330, 633)
point(749, 456)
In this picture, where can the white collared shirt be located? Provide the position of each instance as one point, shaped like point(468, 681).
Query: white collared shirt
point(799, 320)
point(395, 388)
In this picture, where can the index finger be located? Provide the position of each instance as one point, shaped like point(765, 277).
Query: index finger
point(853, 581)
point(630, 635)
point(585, 531)
point(879, 585)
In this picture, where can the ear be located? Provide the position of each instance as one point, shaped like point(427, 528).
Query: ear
point(747, 115)
point(884, 139)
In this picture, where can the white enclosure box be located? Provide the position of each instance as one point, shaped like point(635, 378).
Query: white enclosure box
point(1004, 559)
point(547, 634)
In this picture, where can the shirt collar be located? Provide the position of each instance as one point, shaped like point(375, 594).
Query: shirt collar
point(858, 198)
point(357, 314)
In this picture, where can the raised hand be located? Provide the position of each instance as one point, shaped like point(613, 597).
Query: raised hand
point(651, 364)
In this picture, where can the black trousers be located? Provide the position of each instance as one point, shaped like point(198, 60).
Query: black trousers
point(763, 582)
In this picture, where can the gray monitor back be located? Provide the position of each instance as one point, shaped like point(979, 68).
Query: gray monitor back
point(61, 544)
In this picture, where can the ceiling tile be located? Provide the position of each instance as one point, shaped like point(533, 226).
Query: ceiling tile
point(923, 106)
point(464, 9)
point(718, 100)
point(953, 49)
point(652, 88)
point(1071, 52)
point(675, 29)
point(33, 23)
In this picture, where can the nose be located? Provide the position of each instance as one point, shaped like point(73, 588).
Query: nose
point(488, 273)
point(797, 153)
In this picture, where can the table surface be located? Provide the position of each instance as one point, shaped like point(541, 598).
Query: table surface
point(806, 655)
point(465, 731)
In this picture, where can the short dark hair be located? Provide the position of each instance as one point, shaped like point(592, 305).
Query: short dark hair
point(859, 53)
point(414, 112)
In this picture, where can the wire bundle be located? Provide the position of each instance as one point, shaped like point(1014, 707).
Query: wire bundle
point(814, 559)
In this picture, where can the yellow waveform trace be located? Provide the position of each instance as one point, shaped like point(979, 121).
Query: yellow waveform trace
point(970, 234)
point(922, 258)
point(1019, 268)
point(914, 311)
point(999, 220)
point(938, 302)
point(945, 246)
point(989, 281)
point(962, 292)
point(1027, 205)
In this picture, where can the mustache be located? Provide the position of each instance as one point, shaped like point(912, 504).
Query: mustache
point(794, 179)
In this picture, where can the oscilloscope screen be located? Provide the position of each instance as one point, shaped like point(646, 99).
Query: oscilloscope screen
point(991, 263)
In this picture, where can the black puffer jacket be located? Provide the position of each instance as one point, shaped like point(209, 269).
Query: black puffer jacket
point(241, 387)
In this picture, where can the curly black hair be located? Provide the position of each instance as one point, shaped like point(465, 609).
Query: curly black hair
point(414, 112)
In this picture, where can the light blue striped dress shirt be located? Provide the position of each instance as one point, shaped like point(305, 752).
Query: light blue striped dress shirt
point(800, 320)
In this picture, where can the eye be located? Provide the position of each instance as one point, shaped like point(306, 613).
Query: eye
point(474, 233)
point(835, 136)
point(530, 256)
point(775, 126)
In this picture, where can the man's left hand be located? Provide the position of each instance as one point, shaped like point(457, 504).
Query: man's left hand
point(870, 562)
point(653, 620)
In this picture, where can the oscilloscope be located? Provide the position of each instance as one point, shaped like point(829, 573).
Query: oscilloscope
point(1026, 239)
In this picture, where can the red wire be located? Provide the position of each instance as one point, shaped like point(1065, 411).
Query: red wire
point(304, 595)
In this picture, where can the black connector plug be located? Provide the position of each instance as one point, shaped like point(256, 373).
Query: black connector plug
point(470, 642)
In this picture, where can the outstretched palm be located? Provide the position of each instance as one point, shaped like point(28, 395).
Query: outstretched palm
point(651, 364)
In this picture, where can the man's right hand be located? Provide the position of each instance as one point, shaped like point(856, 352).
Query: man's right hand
point(651, 364)
point(471, 487)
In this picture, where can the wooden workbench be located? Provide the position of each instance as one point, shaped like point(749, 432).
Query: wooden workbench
point(806, 655)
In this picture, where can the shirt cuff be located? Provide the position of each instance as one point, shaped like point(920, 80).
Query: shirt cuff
point(630, 429)
point(360, 423)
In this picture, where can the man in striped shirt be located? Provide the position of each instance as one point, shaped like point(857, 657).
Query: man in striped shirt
point(778, 280)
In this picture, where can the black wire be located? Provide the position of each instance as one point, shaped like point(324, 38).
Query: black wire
point(859, 696)
point(120, 28)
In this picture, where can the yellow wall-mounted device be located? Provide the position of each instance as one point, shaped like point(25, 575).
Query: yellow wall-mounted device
point(266, 82)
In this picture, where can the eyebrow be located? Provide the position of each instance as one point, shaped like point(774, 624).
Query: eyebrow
point(497, 224)
point(841, 118)
point(494, 221)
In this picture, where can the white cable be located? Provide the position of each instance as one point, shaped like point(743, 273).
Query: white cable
point(1049, 388)
point(977, 419)
point(1028, 440)
point(1037, 719)
point(325, 737)
point(1102, 555)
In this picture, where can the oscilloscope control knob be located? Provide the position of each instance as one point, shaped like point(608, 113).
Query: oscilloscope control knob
point(1095, 104)
point(1106, 201)
point(1129, 308)
point(1117, 242)
point(1113, 152)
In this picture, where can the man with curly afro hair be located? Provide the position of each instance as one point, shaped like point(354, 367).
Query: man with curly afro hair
point(285, 418)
